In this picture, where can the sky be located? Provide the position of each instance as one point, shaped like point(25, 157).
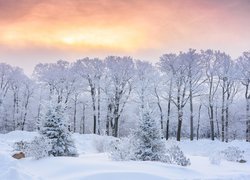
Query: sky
point(33, 31)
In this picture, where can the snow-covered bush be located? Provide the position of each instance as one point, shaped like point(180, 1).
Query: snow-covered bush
point(215, 158)
point(105, 143)
point(123, 150)
point(176, 156)
point(55, 129)
point(232, 154)
point(145, 143)
point(38, 148)
point(20, 146)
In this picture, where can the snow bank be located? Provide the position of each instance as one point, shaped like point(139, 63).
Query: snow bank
point(94, 165)
point(18, 136)
point(10, 169)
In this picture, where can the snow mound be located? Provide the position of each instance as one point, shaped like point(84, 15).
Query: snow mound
point(123, 176)
point(15, 136)
point(91, 164)
point(11, 170)
point(15, 174)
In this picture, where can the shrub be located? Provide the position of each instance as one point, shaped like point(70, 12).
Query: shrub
point(232, 154)
point(215, 158)
point(176, 156)
point(20, 146)
point(146, 144)
point(38, 148)
point(123, 150)
point(105, 143)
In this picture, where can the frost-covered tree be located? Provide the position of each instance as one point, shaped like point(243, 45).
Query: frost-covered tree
point(145, 76)
point(176, 65)
point(58, 77)
point(92, 70)
point(244, 67)
point(15, 97)
point(192, 61)
point(119, 81)
point(226, 71)
point(166, 68)
point(56, 130)
point(209, 59)
point(149, 145)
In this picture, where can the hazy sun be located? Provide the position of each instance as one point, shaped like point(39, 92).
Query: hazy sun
point(101, 37)
point(121, 38)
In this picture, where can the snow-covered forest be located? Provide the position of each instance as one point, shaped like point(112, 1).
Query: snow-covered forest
point(192, 94)
point(190, 109)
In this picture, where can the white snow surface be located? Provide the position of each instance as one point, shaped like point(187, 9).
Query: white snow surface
point(95, 165)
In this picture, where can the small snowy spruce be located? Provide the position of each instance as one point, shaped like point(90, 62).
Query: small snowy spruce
point(149, 145)
point(55, 129)
point(145, 143)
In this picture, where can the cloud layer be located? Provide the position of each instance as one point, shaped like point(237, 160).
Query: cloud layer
point(142, 28)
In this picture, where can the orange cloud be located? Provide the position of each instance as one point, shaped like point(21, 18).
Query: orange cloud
point(143, 28)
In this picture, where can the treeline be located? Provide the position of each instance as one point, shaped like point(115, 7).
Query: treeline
point(192, 94)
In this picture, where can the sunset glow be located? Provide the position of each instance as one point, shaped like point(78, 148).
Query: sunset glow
point(90, 38)
point(32, 29)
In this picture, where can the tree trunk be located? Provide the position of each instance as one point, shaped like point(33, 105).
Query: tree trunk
point(191, 115)
point(98, 110)
point(108, 120)
point(180, 114)
point(116, 119)
point(82, 130)
point(211, 109)
point(38, 120)
point(226, 124)
point(198, 123)
point(94, 109)
point(26, 111)
point(169, 109)
point(14, 112)
point(211, 119)
point(223, 113)
point(247, 96)
point(217, 122)
point(180, 117)
point(160, 108)
point(38, 116)
point(248, 119)
point(74, 117)
point(227, 115)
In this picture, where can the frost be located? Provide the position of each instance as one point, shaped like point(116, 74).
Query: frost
point(176, 156)
point(232, 153)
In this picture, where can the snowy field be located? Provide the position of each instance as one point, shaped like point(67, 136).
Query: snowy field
point(93, 163)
